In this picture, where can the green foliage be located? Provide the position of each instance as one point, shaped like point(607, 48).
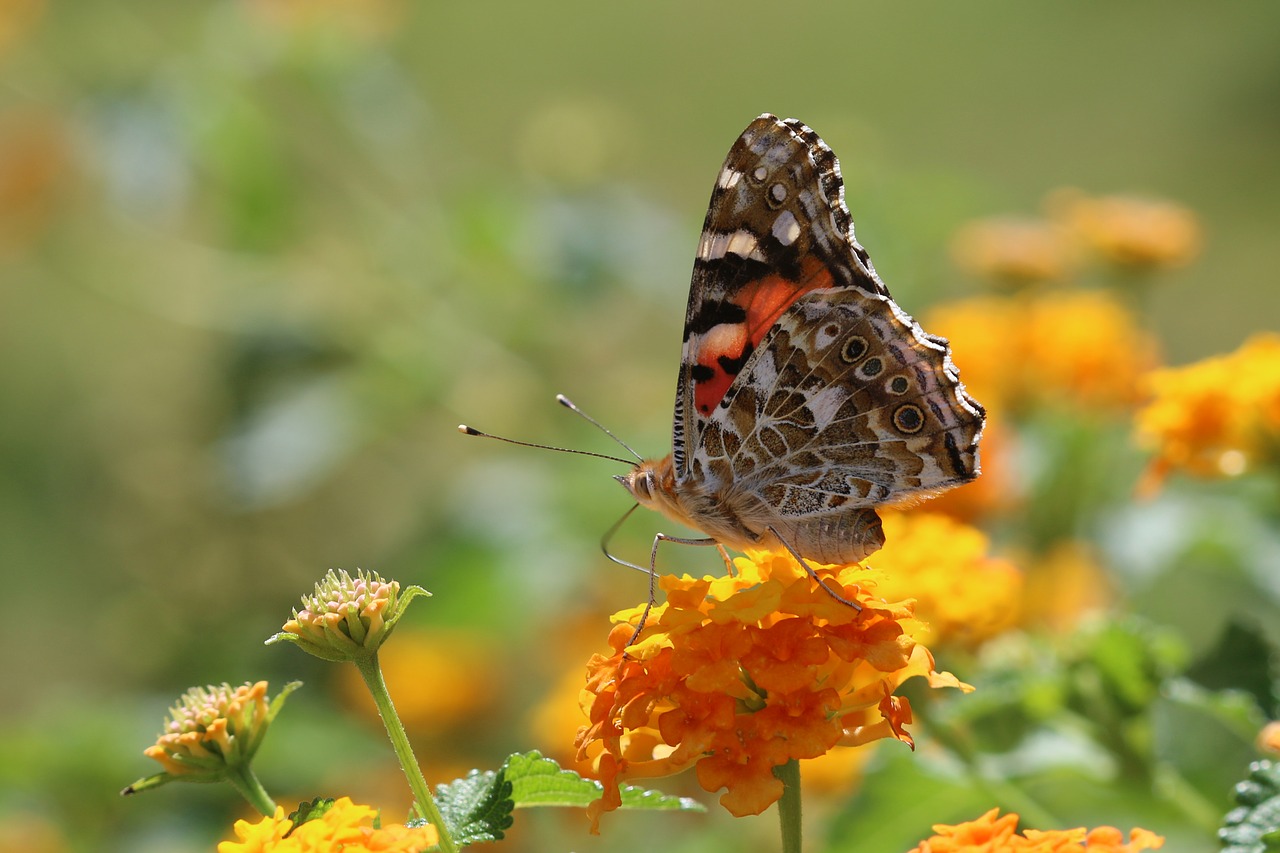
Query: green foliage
point(1254, 827)
point(478, 808)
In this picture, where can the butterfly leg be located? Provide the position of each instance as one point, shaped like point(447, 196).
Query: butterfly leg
point(653, 572)
point(828, 590)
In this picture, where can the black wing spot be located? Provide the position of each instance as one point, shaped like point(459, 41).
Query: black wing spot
point(733, 366)
point(701, 373)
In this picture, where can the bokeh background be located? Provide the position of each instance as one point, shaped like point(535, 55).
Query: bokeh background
point(259, 257)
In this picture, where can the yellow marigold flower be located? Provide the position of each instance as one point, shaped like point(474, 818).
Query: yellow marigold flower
point(963, 594)
point(1014, 250)
point(213, 729)
point(345, 826)
point(1216, 417)
point(1081, 349)
point(738, 675)
point(993, 834)
point(1130, 231)
point(347, 618)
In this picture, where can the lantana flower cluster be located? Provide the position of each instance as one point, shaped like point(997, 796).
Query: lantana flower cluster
point(1216, 417)
point(995, 833)
point(740, 674)
point(345, 826)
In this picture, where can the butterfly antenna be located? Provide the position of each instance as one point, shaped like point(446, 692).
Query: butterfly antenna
point(466, 430)
point(569, 404)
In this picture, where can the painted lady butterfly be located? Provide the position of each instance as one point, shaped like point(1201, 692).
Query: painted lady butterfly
point(806, 396)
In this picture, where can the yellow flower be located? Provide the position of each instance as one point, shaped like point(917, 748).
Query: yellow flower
point(345, 827)
point(1014, 250)
point(993, 834)
point(212, 729)
point(1078, 349)
point(737, 675)
point(1063, 585)
point(963, 594)
point(439, 678)
point(1130, 231)
point(347, 618)
point(1217, 417)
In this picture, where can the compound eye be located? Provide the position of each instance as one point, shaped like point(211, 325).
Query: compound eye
point(643, 485)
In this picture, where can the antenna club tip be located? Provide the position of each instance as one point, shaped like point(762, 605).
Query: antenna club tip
point(564, 401)
point(466, 430)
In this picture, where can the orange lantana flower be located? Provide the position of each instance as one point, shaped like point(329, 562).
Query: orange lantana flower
point(995, 834)
point(738, 675)
point(1216, 417)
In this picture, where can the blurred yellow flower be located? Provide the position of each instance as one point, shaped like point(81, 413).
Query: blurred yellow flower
point(1269, 738)
point(345, 826)
point(1216, 417)
point(963, 594)
point(1014, 250)
point(1063, 586)
point(16, 19)
point(34, 161)
point(1130, 231)
point(438, 678)
point(740, 674)
point(993, 834)
point(32, 833)
point(365, 20)
point(1075, 348)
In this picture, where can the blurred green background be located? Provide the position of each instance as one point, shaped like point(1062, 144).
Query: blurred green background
point(258, 258)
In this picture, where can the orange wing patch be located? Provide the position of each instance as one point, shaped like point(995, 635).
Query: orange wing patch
point(725, 348)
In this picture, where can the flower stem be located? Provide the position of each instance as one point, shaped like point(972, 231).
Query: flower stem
point(789, 805)
point(246, 782)
point(372, 674)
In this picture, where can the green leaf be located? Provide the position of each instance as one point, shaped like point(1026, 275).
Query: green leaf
point(311, 811)
point(476, 808)
point(1254, 827)
point(540, 781)
point(1243, 659)
point(1224, 724)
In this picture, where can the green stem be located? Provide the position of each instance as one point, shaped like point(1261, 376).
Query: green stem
point(789, 805)
point(246, 782)
point(372, 674)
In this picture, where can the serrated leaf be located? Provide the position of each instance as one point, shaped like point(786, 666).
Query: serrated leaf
point(310, 811)
point(540, 781)
point(1254, 827)
point(476, 808)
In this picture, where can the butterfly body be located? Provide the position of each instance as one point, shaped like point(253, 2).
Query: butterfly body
point(806, 396)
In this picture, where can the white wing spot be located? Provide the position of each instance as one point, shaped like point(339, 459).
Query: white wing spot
point(760, 173)
point(742, 243)
point(785, 228)
point(728, 178)
point(778, 192)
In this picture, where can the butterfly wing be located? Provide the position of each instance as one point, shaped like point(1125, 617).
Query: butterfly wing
point(807, 396)
point(847, 404)
point(776, 229)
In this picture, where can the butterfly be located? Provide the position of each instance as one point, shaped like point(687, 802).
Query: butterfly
point(806, 397)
